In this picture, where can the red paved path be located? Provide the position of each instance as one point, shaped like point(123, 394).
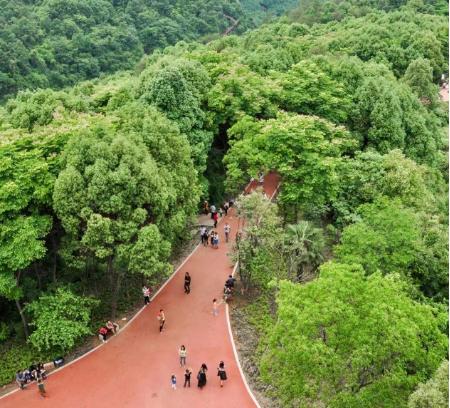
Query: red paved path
point(133, 369)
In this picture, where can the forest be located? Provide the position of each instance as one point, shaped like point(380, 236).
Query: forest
point(101, 178)
point(57, 43)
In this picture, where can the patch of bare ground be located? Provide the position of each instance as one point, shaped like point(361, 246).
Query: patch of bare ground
point(247, 340)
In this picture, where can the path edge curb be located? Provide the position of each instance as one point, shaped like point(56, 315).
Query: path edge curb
point(236, 355)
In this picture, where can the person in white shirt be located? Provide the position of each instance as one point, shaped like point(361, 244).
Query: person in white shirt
point(227, 230)
point(146, 293)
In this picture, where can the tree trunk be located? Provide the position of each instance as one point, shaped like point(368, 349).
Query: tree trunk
point(115, 295)
point(24, 319)
point(54, 258)
point(20, 309)
point(38, 275)
point(115, 284)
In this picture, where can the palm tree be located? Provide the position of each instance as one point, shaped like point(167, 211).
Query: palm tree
point(303, 249)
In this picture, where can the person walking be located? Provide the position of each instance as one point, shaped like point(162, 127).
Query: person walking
point(216, 240)
point(205, 207)
point(162, 319)
point(202, 235)
point(211, 237)
point(215, 307)
point(213, 210)
point(201, 376)
point(41, 386)
point(173, 382)
point(182, 352)
point(227, 230)
point(216, 219)
point(222, 374)
point(146, 293)
point(187, 283)
point(225, 208)
point(205, 237)
point(187, 378)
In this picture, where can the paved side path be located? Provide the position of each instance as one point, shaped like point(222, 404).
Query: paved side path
point(133, 369)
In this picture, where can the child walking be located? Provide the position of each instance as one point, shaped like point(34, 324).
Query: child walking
point(222, 374)
point(173, 382)
point(215, 307)
point(162, 319)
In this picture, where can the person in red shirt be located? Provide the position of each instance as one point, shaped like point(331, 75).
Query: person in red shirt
point(215, 218)
point(102, 334)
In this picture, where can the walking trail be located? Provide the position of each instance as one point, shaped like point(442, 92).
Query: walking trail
point(133, 368)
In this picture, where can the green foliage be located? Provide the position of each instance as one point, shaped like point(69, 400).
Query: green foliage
point(385, 239)
point(346, 112)
point(4, 332)
point(345, 340)
point(321, 11)
point(419, 76)
point(59, 42)
point(258, 248)
point(371, 175)
point(434, 393)
point(238, 91)
point(18, 357)
point(59, 319)
point(304, 150)
point(306, 89)
point(21, 244)
point(303, 249)
point(392, 238)
point(107, 193)
point(149, 253)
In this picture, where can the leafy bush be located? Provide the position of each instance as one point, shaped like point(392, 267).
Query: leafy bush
point(15, 357)
point(60, 319)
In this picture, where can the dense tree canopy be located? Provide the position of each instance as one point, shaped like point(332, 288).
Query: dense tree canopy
point(100, 182)
point(55, 43)
point(391, 238)
point(434, 393)
point(350, 341)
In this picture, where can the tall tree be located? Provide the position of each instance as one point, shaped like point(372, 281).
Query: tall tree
point(304, 150)
point(303, 250)
point(106, 197)
point(344, 340)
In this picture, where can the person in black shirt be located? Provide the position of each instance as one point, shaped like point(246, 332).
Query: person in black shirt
point(187, 283)
point(230, 282)
point(187, 377)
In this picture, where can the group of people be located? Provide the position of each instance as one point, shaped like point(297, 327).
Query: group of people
point(212, 237)
point(36, 372)
point(216, 213)
point(201, 375)
point(109, 328)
